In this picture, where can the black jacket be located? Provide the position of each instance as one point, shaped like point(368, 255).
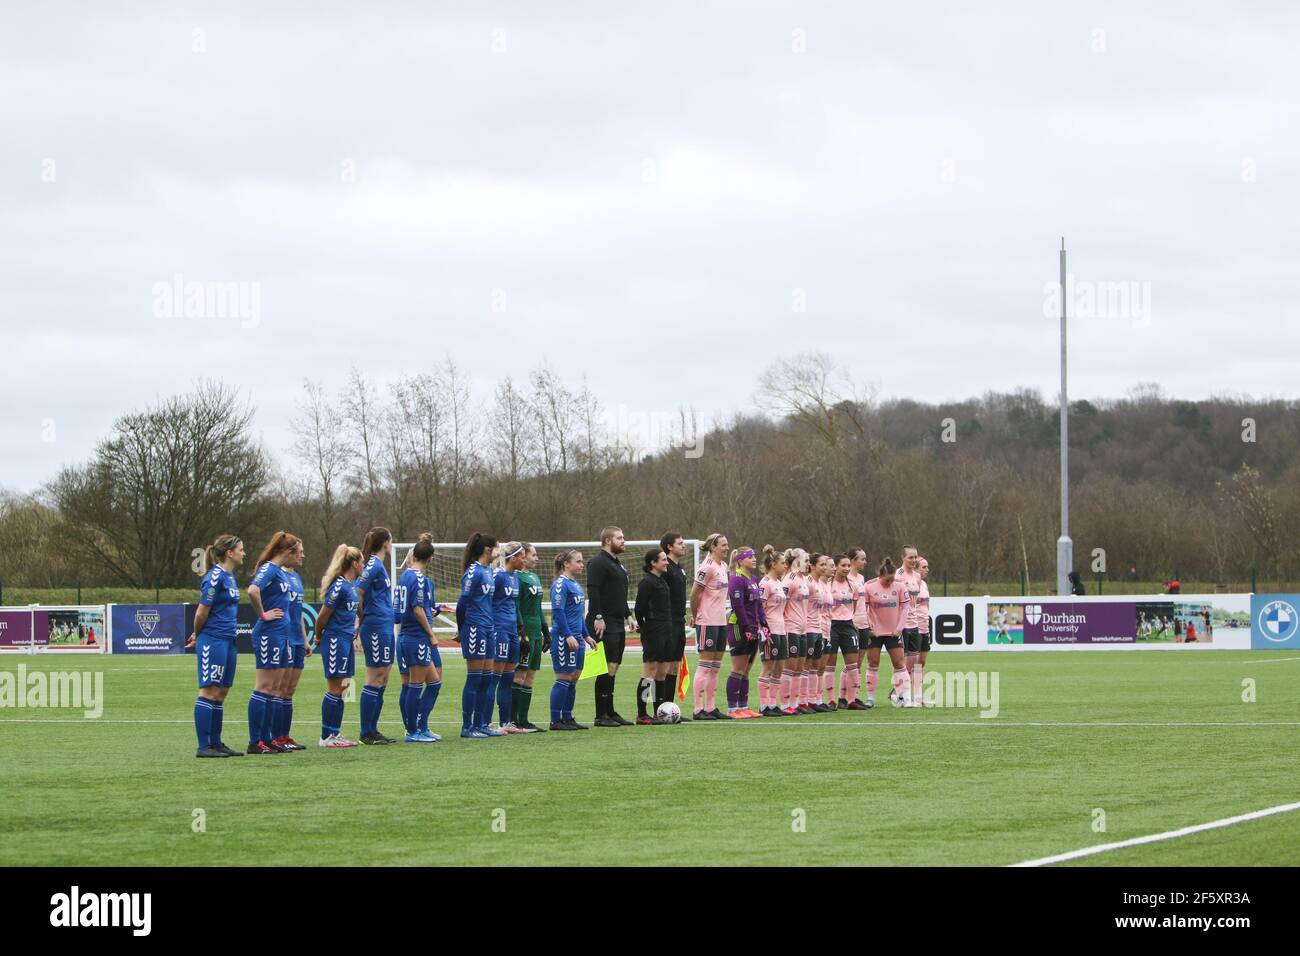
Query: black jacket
point(676, 578)
point(654, 608)
point(606, 591)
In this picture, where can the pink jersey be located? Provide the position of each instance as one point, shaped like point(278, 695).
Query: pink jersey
point(822, 601)
point(920, 609)
point(887, 607)
point(774, 603)
point(797, 610)
point(912, 581)
point(842, 600)
point(714, 578)
point(859, 600)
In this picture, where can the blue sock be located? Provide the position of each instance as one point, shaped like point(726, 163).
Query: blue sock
point(203, 722)
point(257, 707)
point(331, 715)
point(427, 700)
point(469, 699)
point(483, 712)
point(505, 695)
point(286, 717)
point(404, 705)
point(573, 699)
point(559, 696)
point(277, 717)
point(369, 695)
point(218, 718)
point(268, 719)
point(379, 704)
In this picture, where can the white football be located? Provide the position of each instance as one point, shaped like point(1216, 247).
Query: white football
point(670, 712)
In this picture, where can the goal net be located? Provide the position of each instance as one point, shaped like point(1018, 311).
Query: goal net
point(445, 570)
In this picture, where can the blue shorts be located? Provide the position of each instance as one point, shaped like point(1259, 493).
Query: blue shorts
point(216, 657)
point(416, 652)
point(338, 656)
point(564, 660)
point(512, 655)
point(501, 647)
point(477, 643)
point(270, 652)
point(296, 657)
point(378, 643)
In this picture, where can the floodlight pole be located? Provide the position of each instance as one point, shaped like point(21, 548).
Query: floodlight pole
point(1064, 546)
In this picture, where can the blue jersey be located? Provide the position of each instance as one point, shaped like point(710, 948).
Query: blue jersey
point(341, 599)
point(376, 587)
point(567, 601)
point(220, 594)
point(474, 606)
point(414, 590)
point(296, 595)
point(275, 589)
point(505, 612)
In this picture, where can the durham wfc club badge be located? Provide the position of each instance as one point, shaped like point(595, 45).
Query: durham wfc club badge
point(1275, 622)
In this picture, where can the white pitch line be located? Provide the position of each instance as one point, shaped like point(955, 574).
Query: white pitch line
point(1159, 837)
point(1273, 660)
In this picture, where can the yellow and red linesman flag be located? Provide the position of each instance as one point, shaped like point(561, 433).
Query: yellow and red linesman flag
point(683, 678)
point(594, 663)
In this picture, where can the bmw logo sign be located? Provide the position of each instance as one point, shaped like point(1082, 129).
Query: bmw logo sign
point(1278, 621)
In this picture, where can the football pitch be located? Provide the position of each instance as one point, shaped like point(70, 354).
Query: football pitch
point(1138, 742)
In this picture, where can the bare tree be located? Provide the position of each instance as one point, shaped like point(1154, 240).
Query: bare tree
point(323, 446)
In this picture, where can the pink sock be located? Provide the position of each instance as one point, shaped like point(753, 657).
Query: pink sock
point(828, 684)
point(785, 688)
point(918, 674)
point(901, 687)
point(711, 688)
point(765, 692)
point(850, 679)
point(873, 677)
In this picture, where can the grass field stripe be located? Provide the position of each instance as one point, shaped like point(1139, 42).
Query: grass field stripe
point(817, 723)
point(1160, 837)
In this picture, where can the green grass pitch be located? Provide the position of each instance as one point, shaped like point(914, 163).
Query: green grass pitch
point(1157, 740)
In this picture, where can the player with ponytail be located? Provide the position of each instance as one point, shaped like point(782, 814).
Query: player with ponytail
point(477, 635)
point(418, 659)
point(851, 681)
point(533, 642)
point(569, 638)
point(709, 604)
point(336, 640)
point(748, 630)
point(822, 570)
point(920, 615)
point(213, 641)
point(775, 648)
point(270, 594)
point(295, 655)
point(505, 620)
point(799, 627)
point(374, 589)
point(844, 636)
point(887, 607)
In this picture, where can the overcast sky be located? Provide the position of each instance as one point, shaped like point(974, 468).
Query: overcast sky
point(650, 191)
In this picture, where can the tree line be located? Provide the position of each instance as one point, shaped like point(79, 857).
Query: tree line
point(1206, 489)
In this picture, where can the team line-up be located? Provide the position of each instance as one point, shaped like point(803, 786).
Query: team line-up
point(796, 614)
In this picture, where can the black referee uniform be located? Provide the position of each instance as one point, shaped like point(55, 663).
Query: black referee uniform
point(654, 618)
point(676, 578)
point(607, 599)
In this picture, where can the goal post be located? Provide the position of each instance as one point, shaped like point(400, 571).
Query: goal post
point(445, 569)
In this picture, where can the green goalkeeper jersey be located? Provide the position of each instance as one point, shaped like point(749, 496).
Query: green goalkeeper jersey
point(530, 604)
